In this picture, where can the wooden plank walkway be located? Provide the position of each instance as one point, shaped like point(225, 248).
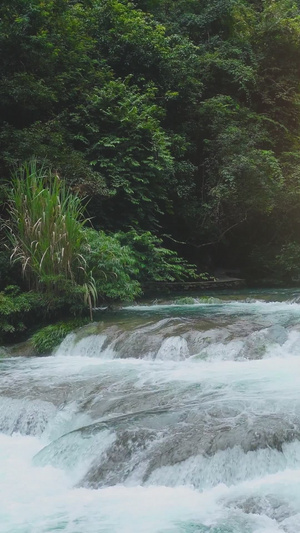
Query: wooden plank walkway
point(182, 286)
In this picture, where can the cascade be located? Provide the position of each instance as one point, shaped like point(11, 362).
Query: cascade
point(158, 418)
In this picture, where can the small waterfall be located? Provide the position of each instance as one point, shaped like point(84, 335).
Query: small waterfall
point(90, 346)
point(173, 340)
point(25, 416)
point(173, 349)
point(74, 452)
point(232, 467)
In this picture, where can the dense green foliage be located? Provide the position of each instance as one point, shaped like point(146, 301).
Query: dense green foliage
point(45, 228)
point(18, 310)
point(47, 339)
point(153, 262)
point(112, 266)
point(68, 265)
point(176, 122)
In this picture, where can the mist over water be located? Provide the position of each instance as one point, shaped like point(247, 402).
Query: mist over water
point(161, 418)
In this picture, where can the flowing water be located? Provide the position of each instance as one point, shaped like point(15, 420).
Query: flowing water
point(159, 418)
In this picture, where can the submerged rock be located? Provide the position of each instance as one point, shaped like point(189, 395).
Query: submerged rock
point(4, 352)
point(22, 349)
point(259, 342)
point(173, 349)
point(148, 442)
point(269, 505)
point(126, 453)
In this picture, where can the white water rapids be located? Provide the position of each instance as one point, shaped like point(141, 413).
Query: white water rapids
point(158, 419)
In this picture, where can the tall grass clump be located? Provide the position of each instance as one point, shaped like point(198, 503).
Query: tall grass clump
point(45, 229)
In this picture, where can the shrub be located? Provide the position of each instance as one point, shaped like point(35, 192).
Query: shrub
point(185, 300)
point(113, 266)
point(152, 261)
point(45, 231)
point(48, 338)
point(18, 311)
point(288, 262)
point(45, 227)
point(9, 274)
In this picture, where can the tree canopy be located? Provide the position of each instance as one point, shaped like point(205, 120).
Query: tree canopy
point(178, 117)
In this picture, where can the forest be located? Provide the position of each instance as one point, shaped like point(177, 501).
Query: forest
point(156, 139)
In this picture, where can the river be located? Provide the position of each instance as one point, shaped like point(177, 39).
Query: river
point(159, 418)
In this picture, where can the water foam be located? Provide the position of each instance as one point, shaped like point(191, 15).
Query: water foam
point(89, 346)
point(238, 384)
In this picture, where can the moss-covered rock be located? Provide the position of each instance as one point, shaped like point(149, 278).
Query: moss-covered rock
point(3, 352)
point(208, 300)
point(47, 339)
point(22, 349)
point(185, 300)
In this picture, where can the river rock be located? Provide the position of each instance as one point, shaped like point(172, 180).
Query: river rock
point(258, 342)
